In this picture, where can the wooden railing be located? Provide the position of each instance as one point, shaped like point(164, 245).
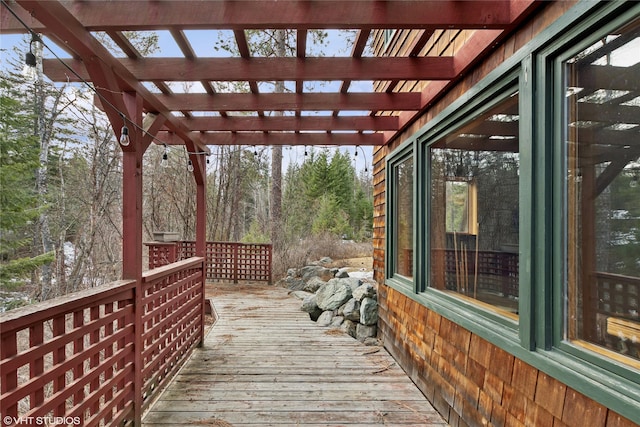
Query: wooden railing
point(97, 357)
point(230, 261)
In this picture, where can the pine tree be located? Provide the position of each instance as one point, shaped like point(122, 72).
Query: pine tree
point(18, 199)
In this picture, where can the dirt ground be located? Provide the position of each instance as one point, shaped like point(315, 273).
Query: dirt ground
point(356, 263)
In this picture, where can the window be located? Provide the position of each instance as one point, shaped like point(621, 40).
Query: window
point(403, 222)
point(474, 225)
point(602, 197)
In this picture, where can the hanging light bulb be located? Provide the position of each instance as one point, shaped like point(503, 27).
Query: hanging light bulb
point(29, 57)
point(165, 159)
point(190, 166)
point(207, 159)
point(124, 136)
point(124, 132)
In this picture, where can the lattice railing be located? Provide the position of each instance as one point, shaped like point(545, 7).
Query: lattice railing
point(227, 261)
point(96, 357)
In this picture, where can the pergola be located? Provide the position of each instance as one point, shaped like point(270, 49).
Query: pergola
point(133, 88)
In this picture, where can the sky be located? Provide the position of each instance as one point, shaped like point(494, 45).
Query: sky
point(202, 42)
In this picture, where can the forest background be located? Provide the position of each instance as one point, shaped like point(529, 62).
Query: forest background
point(61, 186)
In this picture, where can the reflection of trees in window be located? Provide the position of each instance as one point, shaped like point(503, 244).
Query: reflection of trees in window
point(403, 185)
point(474, 208)
point(602, 107)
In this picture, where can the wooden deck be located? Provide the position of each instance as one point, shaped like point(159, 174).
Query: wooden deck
point(265, 363)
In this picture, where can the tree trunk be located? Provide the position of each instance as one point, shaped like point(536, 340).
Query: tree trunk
point(276, 157)
point(40, 129)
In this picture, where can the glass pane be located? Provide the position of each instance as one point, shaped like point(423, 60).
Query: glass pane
point(403, 182)
point(474, 209)
point(602, 110)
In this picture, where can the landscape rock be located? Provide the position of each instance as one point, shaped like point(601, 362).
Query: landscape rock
point(310, 304)
point(351, 310)
point(369, 311)
point(349, 327)
point(366, 290)
point(310, 271)
point(365, 331)
point(334, 298)
point(333, 294)
point(313, 284)
point(325, 318)
point(337, 321)
point(353, 282)
point(301, 294)
point(341, 274)
point(293, 283)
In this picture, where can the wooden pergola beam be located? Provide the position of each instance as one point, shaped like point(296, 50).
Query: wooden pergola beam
point(276, 138)
point(270, 69)
point(271, 14)
point(373, 101)
point(290, 123)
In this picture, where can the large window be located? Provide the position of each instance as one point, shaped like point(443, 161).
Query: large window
point(602, 214)
point(515, 211)
point(474, 214)
point(403, 217)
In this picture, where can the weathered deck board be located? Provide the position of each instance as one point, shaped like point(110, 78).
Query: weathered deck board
point(264, 363)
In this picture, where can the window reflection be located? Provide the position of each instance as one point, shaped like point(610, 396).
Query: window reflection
point(602, 129)
point(403, 182)
point(474, 228)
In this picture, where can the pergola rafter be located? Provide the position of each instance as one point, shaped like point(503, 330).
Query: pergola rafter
point(72, 24)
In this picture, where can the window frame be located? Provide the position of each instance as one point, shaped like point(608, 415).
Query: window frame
point(464, 311)
point(594, 365)
point(402, 283)
point(538, 337)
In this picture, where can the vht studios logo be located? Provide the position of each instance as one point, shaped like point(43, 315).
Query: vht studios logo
point(40, 421)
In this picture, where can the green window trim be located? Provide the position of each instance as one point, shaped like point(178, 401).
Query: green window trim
point(537, 339)
point(403, 283)
point(619, 381)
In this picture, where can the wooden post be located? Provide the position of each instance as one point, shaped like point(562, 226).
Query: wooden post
point(132, 232)
point(201, 244)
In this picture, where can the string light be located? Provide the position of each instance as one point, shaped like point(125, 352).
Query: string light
point(29, 57)
point(364, 155)
point(124, 132)
point(124, 139)
point(165, 158)
point(30, 61)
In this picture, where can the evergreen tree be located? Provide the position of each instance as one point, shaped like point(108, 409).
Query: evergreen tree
point(18, 199)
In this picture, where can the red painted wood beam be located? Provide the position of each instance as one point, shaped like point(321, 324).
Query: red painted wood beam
point(270, 69)
point(271, 14)
point(290, 123)
point(294, 102)
point(273, 138)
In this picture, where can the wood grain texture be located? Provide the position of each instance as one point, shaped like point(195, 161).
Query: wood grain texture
point(266, 363)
